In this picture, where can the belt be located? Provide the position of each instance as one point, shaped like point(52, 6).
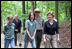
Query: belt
point(39, 30)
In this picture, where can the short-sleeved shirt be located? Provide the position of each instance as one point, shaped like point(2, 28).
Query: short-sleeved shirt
point(9, 31)
point(50, 29)
point(40, 22)
point(31, 26)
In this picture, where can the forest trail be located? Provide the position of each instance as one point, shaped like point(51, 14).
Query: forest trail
point(65, 37)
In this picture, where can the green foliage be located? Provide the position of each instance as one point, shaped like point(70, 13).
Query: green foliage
point(23, 17)
point(15, 7)
point(65, 19)
point(22, 31)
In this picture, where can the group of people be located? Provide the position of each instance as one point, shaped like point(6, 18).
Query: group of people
point(35, 27)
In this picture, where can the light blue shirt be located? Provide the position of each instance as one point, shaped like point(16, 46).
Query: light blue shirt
point(9, 31)
point(31, 26)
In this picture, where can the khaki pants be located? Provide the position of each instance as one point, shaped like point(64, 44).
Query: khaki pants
point(51, 40)
point(19, 39)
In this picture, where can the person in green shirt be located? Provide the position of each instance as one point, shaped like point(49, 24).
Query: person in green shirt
point(31, 26)
point(8, 31)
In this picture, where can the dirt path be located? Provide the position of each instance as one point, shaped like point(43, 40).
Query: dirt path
point(65, 34)
point(29, 44)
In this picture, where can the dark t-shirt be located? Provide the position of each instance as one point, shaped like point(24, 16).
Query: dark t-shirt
point(50, 29)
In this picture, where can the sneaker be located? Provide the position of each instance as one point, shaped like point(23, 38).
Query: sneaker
point(20, 44)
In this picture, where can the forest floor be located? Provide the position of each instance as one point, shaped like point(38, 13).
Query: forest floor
point(65, 34)
point(65, 37)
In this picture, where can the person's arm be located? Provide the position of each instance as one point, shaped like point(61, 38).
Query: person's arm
point(44, 38)
point(14, 26)
point(4, 29)
point(43, 23)
point(35, 29)
point(3, 32)
point(34, 34)
point(58, 39)
point(44, 31)
point(19, 25)
point(26, 26)
point(28, 33)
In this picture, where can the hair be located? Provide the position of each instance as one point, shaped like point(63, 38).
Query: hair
point(51, 12)
point(16, 14)
point(9, 16)
point(29, 16)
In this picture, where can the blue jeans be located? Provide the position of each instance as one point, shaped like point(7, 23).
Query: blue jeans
point(32, 43)
point(7, 42)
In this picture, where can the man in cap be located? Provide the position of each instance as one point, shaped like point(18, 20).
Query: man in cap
point(40, 24)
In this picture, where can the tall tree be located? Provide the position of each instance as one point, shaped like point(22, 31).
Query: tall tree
point(35, 5)
point(66, 7)
point(27, 7)
point(66, 11)
point(32, 6)
point(23, 11)
point(69, 8)
point(48, 6)
point(56, 11)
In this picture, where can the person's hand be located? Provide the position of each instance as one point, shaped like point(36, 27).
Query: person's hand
point(58, 40)
point(3, 32)
point(16, 30)
point(45, 41)
point(32, 38)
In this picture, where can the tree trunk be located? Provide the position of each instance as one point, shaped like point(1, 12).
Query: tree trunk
point(27, 7)
point(66, 11)
point(56, 12)
point(35, 5)
point(32, 6)
point(48, 6)
point(23, 11)
point(69, 8)
point(69, 15)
